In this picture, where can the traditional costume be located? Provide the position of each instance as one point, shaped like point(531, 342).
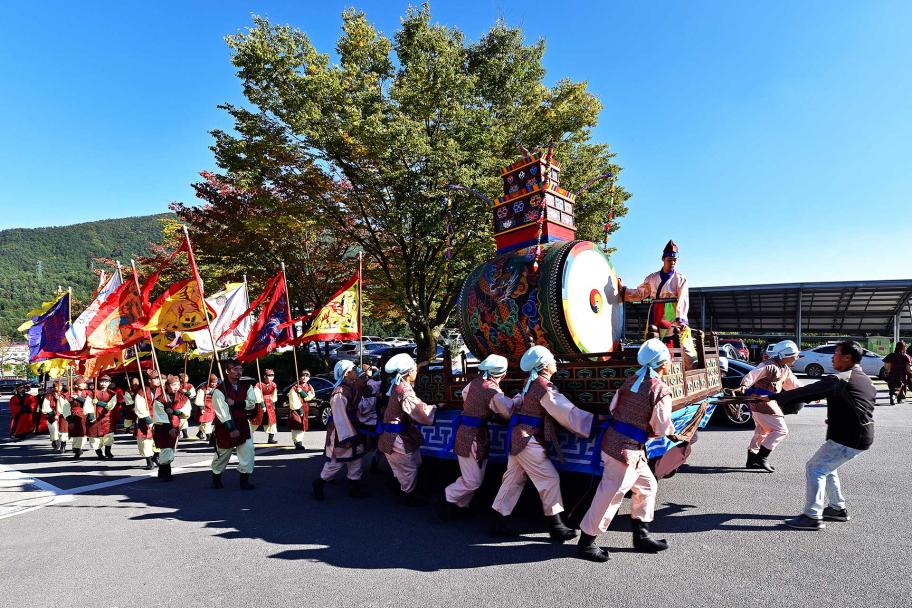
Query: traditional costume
point(899, 372)
point(101, 431)
point(235, 402)
point(82, 412)
point(189, 392)
point(771, 376)
point(129, 416)
point(344, 448)
point(399, 438)
point(481, 398)
point(23, 407)
point(168, 409)
point(532, 426)
point(266, 416)
point(143, 402)
point(206, 411)
point(52, 407)
point(299, 397)
point(640, 409)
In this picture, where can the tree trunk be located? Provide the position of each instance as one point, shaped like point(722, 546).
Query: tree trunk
point(424, 339)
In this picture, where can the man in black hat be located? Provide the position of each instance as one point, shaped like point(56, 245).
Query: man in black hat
point(101, 430)
point(666, 284)
point(235, 403)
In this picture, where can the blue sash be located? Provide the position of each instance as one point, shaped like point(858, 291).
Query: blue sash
point(758, 391)
point(395, 427)
point(521, 419)
point(462, 420)
point(628, 430)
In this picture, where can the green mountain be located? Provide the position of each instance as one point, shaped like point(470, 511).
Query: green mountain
point(34, 261)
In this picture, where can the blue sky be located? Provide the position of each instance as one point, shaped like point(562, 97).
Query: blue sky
point(769, 139)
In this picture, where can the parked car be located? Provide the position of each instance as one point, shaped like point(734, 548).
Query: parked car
point(399, 341)
point(352, 352)
point(738, 415)
point(728, 351)
point(319, 407)
point(741, 350)
point(8, 385)
point(816, 362)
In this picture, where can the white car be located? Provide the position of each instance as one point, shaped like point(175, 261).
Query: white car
point(399, 341)
point(816, 362)
point(352, 352)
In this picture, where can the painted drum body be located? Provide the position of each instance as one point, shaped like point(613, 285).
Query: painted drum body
point(571, 304)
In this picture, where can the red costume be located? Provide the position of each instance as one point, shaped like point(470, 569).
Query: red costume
point(237, 394)
point(77, 418)
point(103, 424)
point(267, 418)
point(298, 419)
point(22, 409)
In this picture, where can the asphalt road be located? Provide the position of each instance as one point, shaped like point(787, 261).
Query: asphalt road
point(145, 543)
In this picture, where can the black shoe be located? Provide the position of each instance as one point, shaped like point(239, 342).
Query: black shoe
point(892, 402)
point(201, 435)
point(751, 461)
point(54, 445)
point(762, 462)
point(62, 448)
point(161, 472)
point(216, 481)
point(77, 454)
point(411, 499)
point(149, 464)
point(587, 549)
point(300, 446)
point(803, 522)
point(100, 455)
point(155, 459)
point(643, 541)
point(558, 531)
point(108, 453)
point(834, 514)
point(317, 485)
point(355, 490)
point(271, 439)
point(245, 482)
point(500, 526)
point(185, 434)
point(164, 473)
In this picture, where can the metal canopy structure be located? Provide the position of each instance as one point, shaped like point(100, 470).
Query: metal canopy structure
point(839, 308)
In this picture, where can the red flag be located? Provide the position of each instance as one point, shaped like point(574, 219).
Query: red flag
point(112, 326)
point(146, 290)
point(259, 300)
point(270, 330)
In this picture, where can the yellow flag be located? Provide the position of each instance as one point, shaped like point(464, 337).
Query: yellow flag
point(178, 309)
point(340, 319)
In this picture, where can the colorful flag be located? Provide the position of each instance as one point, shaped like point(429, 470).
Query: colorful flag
point(229, 305)
point(178, 309)
point(340, 319)
point(94, 366)
point(54, 368)
point(76, 335)
point(270, 330)
point(46, 330)
point(112, 327)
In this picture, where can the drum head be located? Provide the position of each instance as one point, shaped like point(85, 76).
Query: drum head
point(592, 311)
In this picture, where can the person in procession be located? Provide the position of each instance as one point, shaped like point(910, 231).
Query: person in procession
point(129, 415)
point(481, 399)
point(850, 397)
point(143, 401)
point(189, 392)
point(532, 428)
point(82, 412)
point(400, 439)
point(344, 447)
point(23, 407)
point(366, 421)
point(235, 403)
point(55, 408)
point(771, 376)
point(204, 404)
point(899, 372)
point(101, 430)
point(266, 415)
point(639, 410)
point(168, 409)
point(299, 398)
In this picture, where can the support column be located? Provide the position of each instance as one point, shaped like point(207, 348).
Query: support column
point(896, 328)
point(798, 319)
point(703, 311)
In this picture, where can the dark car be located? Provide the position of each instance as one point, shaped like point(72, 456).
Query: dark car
point(8, 385)
point(319, 407)
point(380, 356)
point(737, 415)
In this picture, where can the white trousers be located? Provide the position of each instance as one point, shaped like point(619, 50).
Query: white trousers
point(618, 479)
point(245, 454)
point(297, 436)
point(78, 443)
point(128, 424)
point(56, 435)
point(206, 427)
point(271, 429)
point(460, 492)
point(145, 447)
point(405, 468)
point(531, 463)
point(330, 469)
point(184, 424)
point(99, 442)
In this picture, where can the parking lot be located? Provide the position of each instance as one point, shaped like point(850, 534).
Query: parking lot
point(108, 534)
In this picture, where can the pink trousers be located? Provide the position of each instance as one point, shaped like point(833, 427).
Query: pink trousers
point(532, 463)
point(460, 492)
point(769, 431)
point(618, 479)
point(405, 468)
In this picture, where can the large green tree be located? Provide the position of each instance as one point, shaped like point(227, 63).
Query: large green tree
point(374, 139)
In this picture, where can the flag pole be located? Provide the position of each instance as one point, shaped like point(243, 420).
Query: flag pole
point(360, 337)
point(148, 333)
point(257, 360)
point(294, 349)
point(70, 321)
point(199, 285)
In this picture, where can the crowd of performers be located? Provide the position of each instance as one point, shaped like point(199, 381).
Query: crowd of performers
point(157, 412)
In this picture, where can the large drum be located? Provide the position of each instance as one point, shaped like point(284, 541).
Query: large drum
point(571, 304)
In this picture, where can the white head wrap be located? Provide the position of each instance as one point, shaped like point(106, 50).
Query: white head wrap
point(652, 354)
point(493, 365)
point(340, 370)
point(533, 361)
point(398, 366)
point(785, 349)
